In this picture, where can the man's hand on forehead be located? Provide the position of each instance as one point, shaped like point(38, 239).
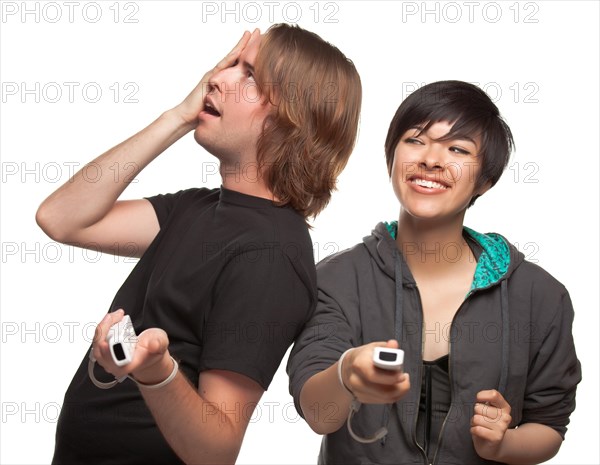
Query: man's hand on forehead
point(190, 108)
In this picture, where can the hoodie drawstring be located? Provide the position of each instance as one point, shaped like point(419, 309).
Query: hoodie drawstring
point(505, 337)
point(398, 315)
point(399, 298)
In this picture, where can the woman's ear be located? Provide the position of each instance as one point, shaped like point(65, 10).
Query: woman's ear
point(483, 189)
point(480, 191)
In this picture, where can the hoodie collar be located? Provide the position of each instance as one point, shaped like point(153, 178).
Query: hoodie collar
point(494, 261)
point(496, 258)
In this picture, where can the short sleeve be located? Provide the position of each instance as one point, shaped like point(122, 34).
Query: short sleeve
point(260, 304)
point(165, 204)
point(324, 338)
point(554, 374)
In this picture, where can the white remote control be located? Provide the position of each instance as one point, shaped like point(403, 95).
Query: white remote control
point(122, 341)
point(388, 359)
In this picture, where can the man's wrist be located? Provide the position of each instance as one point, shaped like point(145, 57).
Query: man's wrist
point(180, 124)
point(157, 372)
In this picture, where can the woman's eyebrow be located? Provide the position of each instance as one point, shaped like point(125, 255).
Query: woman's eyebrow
point(447, 136)
point(458, 137)
point(464, 137)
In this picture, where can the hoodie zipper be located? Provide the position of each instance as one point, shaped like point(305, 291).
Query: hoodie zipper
point(470, 293)
point(439, 441)
point(414, 433)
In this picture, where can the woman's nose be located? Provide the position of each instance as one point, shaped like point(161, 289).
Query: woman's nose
point(431, 158)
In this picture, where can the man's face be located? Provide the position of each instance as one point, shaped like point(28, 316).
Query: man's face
point(233, 114)
point(432, 178)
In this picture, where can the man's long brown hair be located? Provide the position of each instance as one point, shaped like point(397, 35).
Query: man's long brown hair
point(307, 140)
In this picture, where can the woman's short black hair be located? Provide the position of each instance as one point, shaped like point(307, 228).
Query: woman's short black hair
point(471, 113)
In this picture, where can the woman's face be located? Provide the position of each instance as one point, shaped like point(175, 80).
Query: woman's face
point(436, 179)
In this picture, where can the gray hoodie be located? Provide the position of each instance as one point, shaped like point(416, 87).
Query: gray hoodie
point(512, 333)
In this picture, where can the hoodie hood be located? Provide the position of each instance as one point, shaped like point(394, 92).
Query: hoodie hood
point(382, 247)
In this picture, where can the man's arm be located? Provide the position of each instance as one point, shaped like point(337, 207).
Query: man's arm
point(87, 214)
point(206, 426)
point(82, 212)
point(203, 427)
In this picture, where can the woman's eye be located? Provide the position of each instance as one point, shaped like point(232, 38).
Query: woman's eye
point(459, 150)
point(235, 63)
point(250, 75)
point(412, 140)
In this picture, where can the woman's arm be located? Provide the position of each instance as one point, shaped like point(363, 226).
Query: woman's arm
point(528, 444)
point(325, 402)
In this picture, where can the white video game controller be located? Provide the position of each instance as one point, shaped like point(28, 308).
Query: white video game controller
point(122, 341)
point(388, 359)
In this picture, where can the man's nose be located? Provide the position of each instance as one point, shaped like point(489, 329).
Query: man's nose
point(225, 80)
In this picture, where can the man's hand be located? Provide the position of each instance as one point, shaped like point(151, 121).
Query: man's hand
point(151, 362)
point(214, 429)
point(489, 423)
point(372, 385)
point(190, 108)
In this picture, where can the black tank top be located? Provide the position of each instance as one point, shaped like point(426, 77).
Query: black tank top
point(434, 404)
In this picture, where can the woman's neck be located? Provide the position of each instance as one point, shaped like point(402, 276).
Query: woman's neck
point(430, 245)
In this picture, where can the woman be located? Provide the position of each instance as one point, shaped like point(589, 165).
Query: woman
point(490, 370)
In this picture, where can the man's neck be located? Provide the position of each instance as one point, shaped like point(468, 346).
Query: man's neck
point(245, 179)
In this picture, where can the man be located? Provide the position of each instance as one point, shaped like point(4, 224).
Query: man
point(226, 276)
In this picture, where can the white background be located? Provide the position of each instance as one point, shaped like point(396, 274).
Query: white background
point(547, 201)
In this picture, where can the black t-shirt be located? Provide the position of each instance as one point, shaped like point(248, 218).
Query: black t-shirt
point(231, 279)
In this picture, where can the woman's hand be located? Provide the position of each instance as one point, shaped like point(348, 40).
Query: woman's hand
point(489, 423)
point(370, 384)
